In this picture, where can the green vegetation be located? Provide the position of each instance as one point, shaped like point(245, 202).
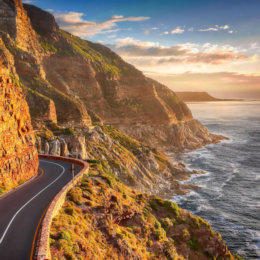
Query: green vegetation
point(48, 47)
point(102, 63)
point(58, 130)
point(2, 190)
point(126, 141)
point(103, 219)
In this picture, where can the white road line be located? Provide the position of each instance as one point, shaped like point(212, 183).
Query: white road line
point(11, 221)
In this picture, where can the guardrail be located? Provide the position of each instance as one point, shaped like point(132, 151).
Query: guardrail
point(42, 251)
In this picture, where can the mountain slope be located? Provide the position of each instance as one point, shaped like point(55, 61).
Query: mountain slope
point(103, 219)
point(81, 76)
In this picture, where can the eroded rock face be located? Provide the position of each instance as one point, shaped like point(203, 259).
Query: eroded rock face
point(18, 154)
point(23, 53)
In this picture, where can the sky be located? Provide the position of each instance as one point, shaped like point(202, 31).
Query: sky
point(202, 45)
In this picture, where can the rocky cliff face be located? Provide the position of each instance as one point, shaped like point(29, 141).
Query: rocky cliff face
point(80, 76)
point(18, 155)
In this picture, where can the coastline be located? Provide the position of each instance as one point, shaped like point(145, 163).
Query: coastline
point(228, 196)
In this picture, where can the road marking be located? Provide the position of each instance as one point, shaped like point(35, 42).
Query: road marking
point(11, 221)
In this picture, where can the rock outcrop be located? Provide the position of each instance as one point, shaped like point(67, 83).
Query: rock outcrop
point(134, 163)
point(18, 155)
point(81, 76)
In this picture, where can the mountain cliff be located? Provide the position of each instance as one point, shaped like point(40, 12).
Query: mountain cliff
point(79, 77)
point(18, 155)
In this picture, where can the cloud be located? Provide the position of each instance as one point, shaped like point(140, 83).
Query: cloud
point(191, 29)
point(165, 33)
point(225, 27)
point(216, 28)
point(128, 47)
point(75, 23)
point(151, 54)
point(209, 30)
point(147, 31)
point(177, 30)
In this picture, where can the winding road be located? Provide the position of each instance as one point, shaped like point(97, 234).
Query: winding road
point(22, 210)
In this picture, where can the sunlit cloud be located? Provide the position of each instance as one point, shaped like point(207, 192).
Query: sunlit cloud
point(177, 30)
point(215, 28)
point(75, 23)
point(165, 33)
point(153, 56)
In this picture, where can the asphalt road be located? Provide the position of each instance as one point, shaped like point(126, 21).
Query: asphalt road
point(21, 211)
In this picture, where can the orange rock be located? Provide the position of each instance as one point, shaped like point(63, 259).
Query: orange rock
point(19, 158)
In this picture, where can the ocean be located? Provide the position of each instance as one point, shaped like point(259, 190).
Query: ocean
point(229, 198)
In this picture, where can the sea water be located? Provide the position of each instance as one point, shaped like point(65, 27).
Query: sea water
point(229, 198)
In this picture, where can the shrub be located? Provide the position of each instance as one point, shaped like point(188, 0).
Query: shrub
point(75, 195)
point(68, 131)
point(21, 181)
point(170, 251)
point(193, 244)
point(65, 235)
point(154, 205)
point(2, 189)
point(48, 47)
point(52, 241)
point(173, 207)
point(119, 235)
point(166, 223)
point(149, 243)
point(185, 234)
point(69, 211)
point(88, 203)
point(181, 220)
point(159, 234)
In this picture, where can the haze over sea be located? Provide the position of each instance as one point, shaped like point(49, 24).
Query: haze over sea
point(229, 197)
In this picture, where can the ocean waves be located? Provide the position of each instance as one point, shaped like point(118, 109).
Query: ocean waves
point(230, 189)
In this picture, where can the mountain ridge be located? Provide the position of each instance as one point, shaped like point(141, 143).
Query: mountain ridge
point(200, 96)
point(81, 77)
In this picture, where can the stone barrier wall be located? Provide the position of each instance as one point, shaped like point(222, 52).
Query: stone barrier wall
point(42, 250)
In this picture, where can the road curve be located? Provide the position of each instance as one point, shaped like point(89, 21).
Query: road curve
point(21, 211)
